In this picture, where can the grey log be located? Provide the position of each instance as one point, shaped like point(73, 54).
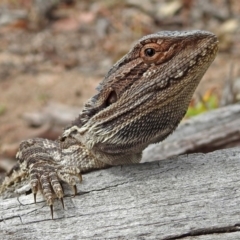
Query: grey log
point(195, 196)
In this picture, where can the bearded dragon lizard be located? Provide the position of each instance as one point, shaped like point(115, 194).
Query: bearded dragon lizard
point(140, 101)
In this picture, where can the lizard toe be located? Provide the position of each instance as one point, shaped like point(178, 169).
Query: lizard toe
point(69, 174)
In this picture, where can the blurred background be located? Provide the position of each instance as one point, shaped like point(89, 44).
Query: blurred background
point(53, 53)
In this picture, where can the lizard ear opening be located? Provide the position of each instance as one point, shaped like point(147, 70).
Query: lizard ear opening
point(112, 98)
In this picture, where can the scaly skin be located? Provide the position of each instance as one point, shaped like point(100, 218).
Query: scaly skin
point(141, 101)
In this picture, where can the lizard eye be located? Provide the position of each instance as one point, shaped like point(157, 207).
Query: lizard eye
point(154, 53)
point(149, 52)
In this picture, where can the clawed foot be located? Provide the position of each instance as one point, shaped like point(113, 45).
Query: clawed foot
point(47, 178)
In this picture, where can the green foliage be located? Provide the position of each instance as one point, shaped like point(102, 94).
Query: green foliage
point(2, 109)
point(208, 102)
point(43, 97)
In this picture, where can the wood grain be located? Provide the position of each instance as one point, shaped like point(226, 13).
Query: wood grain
point(193, 196)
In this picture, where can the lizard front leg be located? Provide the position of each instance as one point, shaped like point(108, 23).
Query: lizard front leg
point(47, 163)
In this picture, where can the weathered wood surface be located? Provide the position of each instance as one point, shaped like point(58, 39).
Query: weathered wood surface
point(195, 196)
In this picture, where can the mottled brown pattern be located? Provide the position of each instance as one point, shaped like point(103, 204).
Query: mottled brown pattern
point(141, 101)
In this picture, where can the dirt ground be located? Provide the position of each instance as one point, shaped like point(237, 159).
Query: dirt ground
point(63, 58)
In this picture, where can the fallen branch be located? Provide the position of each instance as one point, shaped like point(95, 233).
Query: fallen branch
point(192, 195)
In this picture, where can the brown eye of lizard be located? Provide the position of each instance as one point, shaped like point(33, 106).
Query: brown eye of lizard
point(149, 52)
point(156, 53)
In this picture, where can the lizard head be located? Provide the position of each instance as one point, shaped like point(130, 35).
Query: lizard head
point(145, 95)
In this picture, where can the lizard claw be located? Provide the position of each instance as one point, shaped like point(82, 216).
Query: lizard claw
point(80, 177)
point(34, 196)
point(74, 190)
point(61, 199)
point(51, 209)
point(47, 177)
